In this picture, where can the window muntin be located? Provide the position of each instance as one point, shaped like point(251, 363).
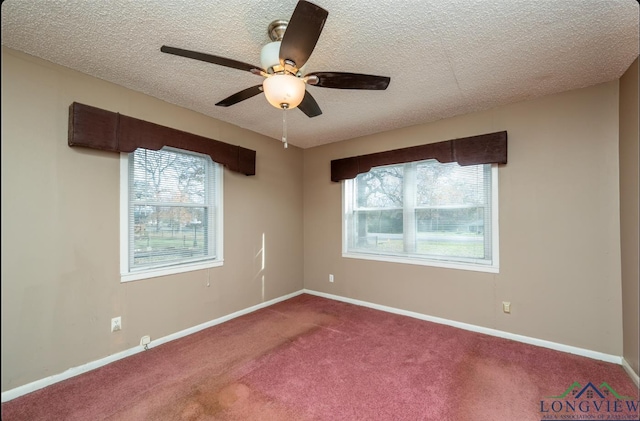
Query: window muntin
point(172, 213)
point(424, 212)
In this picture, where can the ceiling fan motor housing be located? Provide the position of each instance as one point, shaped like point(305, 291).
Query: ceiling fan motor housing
point(270, 54)
point(270, 57)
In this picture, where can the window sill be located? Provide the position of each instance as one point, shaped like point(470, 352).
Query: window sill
point(424, 262)
point(172, 270)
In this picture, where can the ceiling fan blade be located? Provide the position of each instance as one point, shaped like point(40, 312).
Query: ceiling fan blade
point(309, 106)
point(240, 96)
point(302, 33)
point(222, 61)
point(341, 80)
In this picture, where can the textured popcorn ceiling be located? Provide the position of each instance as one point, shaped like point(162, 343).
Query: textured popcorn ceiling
point(444, 57)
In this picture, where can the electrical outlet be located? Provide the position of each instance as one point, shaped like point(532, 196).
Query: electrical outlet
point(116, 324)
point(145, 340)
point(506, 306)
point(330, 277)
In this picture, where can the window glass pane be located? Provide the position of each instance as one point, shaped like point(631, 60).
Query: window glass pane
point(451, 232)
point(379, 230)
point(168, 177)
point(423, 210)
point(172, 208)
point(169, 234)
point(449, 184)
point(380, 188)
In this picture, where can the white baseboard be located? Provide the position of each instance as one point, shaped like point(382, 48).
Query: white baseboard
point(492, 332)
point(630, 372)
point(72, 372)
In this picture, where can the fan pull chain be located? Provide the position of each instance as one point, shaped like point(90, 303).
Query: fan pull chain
point(284, 125)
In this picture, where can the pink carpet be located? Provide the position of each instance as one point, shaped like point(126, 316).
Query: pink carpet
point(310, 358)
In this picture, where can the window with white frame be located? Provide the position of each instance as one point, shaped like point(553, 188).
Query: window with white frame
point(171, 213)
point(425, 213)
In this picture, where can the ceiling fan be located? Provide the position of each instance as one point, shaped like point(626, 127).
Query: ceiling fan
point(281, 61)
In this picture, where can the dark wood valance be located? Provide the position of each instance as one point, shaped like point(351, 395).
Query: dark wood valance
point(108, 131)
point(482, 149)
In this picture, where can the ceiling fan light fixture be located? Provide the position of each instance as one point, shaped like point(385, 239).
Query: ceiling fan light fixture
point(283, 90)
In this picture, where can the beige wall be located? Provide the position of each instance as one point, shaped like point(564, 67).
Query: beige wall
point(629, 212)
point(60, 225)
point(559, 225)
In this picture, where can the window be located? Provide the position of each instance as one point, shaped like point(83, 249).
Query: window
point(424, 213)
point(171, 213)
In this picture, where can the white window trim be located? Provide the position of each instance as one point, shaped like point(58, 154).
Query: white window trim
point(125, 274)
point(494, 267)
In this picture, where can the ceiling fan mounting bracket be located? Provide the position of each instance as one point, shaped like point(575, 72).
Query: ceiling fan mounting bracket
point(276, 29)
